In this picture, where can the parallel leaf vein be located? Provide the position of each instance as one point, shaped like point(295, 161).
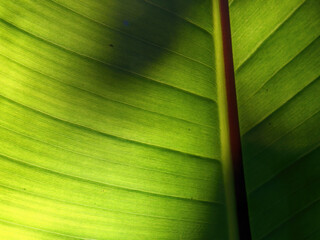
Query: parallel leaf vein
point(78, 178)
point(106, 63)
point(101, 96)
point(277, 27)
point(102, 208)
point(132, 36)
point(105, 134)
point(267, 116)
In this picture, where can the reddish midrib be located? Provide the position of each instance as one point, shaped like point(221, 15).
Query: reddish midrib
point(235, 143)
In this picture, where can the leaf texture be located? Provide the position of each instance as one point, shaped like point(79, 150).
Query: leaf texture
point(109, 121)
point(277, 66)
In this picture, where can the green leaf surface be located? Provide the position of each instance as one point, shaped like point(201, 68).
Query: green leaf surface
point(276, 49)
point(109, 121)
point(112, 126)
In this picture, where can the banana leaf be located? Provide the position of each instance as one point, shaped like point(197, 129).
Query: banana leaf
point(113, 119)
point(276, 49)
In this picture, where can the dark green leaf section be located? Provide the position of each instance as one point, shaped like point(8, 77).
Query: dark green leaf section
point(277, 62)
point(108, 121)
